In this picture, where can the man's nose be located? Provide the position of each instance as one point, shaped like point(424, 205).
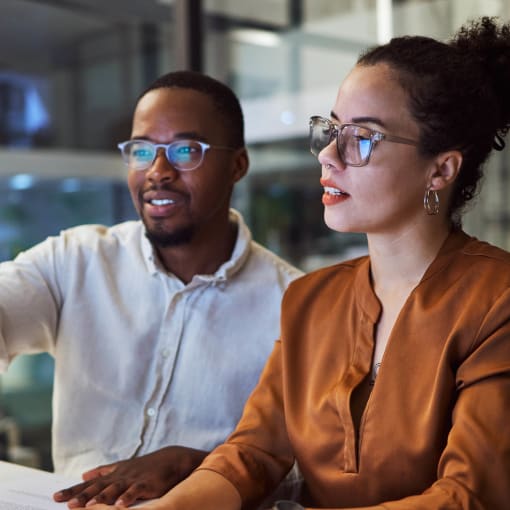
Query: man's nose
point(161, 169)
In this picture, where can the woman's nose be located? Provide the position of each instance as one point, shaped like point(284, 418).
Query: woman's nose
point(328, 157)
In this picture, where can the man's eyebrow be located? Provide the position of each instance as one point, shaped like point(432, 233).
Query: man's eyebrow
point(193, 135)
point(189, 134)
point(365, 119)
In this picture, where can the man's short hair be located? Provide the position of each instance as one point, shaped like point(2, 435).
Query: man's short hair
point(223, 97)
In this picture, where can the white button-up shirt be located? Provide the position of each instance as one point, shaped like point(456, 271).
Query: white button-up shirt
point(142, 360)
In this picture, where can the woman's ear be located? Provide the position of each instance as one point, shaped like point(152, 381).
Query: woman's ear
point(445, 169)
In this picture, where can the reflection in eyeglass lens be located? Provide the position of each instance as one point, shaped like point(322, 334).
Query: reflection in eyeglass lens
point(140, 153)
point(354, 144)
point(320, 136)
point(181, 153)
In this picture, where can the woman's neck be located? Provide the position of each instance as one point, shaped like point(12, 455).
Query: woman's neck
point(400, 262)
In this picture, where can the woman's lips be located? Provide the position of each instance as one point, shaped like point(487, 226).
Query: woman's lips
point(332, 194)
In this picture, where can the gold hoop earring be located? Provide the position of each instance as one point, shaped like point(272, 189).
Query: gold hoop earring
point(431, 202)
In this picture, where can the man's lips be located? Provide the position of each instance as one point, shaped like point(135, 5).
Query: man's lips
point(161, 202)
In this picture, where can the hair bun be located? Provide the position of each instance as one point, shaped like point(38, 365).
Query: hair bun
point(486, 41)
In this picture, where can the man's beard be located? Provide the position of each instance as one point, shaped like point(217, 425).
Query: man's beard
point(158, 236)
point(162, 239)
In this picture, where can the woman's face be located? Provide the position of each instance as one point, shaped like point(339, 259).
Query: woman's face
point(385, 195)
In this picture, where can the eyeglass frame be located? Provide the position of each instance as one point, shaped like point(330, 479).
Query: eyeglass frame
point(203, 145)
point(375, 137)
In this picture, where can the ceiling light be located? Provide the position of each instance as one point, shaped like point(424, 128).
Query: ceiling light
point(255, 37)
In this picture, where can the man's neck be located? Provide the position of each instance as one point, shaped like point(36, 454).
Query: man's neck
point(204, 254)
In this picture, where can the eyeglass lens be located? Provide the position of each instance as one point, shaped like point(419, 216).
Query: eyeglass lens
point(183, 155)
point(354, 143)
point(321, 133)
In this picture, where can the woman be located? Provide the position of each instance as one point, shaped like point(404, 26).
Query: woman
point(390, 384)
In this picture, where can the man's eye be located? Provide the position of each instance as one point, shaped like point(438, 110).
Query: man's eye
point(185, 149)
point(141, 153)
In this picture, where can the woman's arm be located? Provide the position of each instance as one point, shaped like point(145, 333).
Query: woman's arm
point(203, 490)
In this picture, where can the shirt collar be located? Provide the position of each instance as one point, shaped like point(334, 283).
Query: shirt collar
point(239, 255)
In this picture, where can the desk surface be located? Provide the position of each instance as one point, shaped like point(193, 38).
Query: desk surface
point(24, 488)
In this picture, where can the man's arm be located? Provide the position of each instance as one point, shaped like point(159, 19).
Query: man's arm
point(146, 477)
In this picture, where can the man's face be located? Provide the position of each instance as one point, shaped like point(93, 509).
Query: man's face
point(176, 206)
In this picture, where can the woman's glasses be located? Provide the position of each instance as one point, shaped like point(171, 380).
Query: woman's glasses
point(183, 155)
point(354, 143)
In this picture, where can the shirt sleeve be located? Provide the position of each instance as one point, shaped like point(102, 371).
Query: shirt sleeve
point(258, 454)
point(29, 303)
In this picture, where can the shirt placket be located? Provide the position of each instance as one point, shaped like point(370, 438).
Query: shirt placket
point(356, 372)
point(169, 342)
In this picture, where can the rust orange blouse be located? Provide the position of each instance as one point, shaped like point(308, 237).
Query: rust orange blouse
point(435, 432)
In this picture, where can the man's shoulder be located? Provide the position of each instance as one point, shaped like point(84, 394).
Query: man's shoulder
point(93, 234)
point(268, 261)
point(86, 242)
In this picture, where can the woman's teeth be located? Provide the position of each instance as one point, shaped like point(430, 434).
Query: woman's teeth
point(333, 191)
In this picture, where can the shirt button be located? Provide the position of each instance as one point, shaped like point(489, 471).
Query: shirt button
point(165, 353)
point(151, 412)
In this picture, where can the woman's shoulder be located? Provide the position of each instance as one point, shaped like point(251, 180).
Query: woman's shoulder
point(471, 265)
point(484, 250)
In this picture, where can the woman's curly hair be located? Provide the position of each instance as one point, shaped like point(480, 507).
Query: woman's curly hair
point(458, 94)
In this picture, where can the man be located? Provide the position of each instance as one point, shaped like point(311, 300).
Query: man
point(159, 327)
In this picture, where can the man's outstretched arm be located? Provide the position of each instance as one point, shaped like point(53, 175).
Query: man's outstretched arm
point(123, 483)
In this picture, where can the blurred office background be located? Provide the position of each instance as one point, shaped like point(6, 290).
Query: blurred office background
point(70, 71)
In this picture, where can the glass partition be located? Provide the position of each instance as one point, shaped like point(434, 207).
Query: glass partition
point(70, 73)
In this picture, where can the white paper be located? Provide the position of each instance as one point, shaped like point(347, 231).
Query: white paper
point(23, 488)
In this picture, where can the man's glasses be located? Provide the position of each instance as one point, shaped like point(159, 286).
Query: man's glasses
point(183, 155)
point(354, 143)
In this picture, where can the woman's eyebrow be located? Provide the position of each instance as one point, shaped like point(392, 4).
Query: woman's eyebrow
point(371, 120)
point(365, 118)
